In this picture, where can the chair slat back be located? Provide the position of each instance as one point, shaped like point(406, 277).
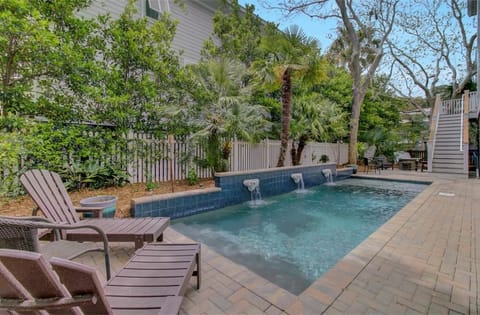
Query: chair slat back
point(80, 279)
point(27, 276)
point(48, 192)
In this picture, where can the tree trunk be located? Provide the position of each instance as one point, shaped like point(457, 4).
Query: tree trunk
point(358, 97)
point(286, 113)
point(301, 145)
point(293, 153)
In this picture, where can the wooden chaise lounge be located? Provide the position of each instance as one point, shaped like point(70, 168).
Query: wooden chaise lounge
point(152, 282)
point(48, 192)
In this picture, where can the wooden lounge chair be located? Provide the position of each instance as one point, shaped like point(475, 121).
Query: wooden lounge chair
point(22, 233)
point(48, 192)
point(152, 282)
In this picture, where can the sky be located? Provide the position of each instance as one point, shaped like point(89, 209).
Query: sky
point(322, 30)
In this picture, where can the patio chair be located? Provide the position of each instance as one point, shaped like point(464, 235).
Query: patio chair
point(48, 192)
point(368, 158)
point(152, 282)
point(406, 162)
point(22, 233)
point(383, 162)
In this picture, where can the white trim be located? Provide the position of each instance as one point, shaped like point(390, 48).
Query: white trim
point(155, 5)
point(159, 5)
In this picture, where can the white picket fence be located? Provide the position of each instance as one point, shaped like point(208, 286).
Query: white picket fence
point(150, 159)
point(247, 156)
point(161, 164)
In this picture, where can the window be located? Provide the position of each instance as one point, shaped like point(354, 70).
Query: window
point(155, 7)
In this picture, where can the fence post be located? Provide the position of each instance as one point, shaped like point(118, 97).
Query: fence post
point(267, 155)
point(171, 142)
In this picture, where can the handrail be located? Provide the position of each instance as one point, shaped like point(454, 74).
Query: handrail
point(461, 124)
point(435, 134)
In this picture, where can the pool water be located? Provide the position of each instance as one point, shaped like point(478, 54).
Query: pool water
point(292, 239)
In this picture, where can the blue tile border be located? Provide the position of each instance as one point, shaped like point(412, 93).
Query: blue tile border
point(230, 190)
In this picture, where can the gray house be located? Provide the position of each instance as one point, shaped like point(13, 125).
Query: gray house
point(195, 19)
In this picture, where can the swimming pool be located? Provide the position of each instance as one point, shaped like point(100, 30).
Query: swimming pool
point(292, 239)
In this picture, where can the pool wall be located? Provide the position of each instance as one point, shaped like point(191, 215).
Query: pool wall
point(230, 190)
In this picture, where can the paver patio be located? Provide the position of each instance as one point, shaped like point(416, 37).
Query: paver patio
point(423, 261)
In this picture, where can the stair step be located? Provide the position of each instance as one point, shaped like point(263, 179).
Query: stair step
point(447, 166)
point(448, 127)
point(447, 171)
point(447, 135)
point(451, 156)
point(446, 148)
point(449, 121)
point(453, 140)
point(449, 117)
point(444, 161)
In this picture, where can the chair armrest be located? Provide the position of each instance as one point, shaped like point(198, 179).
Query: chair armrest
point(96, 212)
point(43, 223)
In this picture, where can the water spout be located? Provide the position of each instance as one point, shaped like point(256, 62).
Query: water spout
point(253, 186)
point(298, 179)
point(329, 176)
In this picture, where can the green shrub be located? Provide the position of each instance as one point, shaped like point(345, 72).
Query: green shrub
point(192, 177)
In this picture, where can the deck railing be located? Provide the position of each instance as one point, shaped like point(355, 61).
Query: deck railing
point(452, 107)
point(474, 109)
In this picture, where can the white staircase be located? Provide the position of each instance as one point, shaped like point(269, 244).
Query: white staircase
point(448, 153)
point(449, 143)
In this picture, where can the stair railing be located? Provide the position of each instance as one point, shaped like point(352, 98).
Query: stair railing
point(461, 124)
point(437, 109)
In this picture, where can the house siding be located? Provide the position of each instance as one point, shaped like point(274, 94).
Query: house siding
point(195, 23)
point(195, 26)
point(113, 7)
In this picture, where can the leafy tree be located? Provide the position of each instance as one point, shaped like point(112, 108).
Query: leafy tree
point(371, 20)
point(35, 36)
point(141, 76)
point(239, 33)
point(432, 44)
point(289, 55)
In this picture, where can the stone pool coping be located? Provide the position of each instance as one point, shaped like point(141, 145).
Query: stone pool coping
point(187, 193)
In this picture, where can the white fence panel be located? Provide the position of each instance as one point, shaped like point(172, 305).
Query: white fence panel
point(146, 158)
point(246, 156)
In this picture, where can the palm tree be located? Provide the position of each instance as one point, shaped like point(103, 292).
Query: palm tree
point(315, 118)
point(291, 54)
point(225, 111)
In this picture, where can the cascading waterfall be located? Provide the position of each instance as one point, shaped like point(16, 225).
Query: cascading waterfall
point(253, 186)
point(298, 179)
point(329, 176)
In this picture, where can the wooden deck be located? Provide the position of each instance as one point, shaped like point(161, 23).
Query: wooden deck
point(423, 261)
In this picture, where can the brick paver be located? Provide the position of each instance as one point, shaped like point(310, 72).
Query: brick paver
point(422, 261)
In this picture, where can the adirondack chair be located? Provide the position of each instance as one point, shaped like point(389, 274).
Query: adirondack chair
point(152, 282)
point(22, 233)
point(48, 192)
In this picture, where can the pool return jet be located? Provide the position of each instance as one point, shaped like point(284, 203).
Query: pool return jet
point(298, 179)
point(253, 186)
point(327, 173)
